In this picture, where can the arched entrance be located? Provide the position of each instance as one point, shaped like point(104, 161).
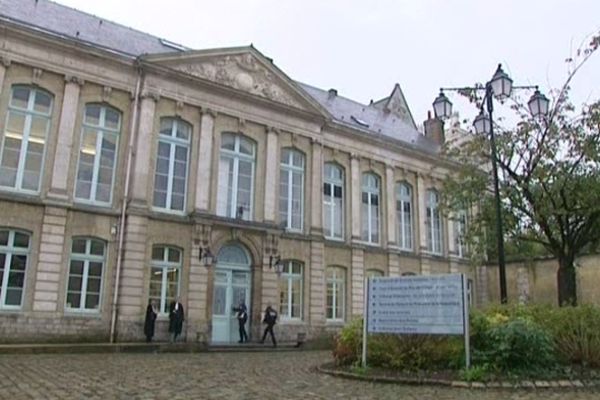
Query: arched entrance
point(231, 286)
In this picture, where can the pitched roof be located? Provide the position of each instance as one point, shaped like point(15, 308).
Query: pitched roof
point(370, 119)
point(69, 22)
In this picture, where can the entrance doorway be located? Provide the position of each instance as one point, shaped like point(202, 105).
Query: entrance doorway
point(231, 286)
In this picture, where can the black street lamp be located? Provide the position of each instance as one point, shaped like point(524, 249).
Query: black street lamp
point(500, 87)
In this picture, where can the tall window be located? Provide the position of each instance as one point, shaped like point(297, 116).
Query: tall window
point(170, 179)
point(165, 268)
point(460, 230)
point(98, 154)
point(434, 223)
point(404, 210)
point(333, 201)
point(291, 189)
point(290, 291)
point(14, 250)
point(236, 176)
point(85, 274)
point(25, 133)
point(370, 208)
point(336, 293)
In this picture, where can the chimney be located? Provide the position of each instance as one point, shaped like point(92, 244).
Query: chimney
point(434, 129)
point(332, 94)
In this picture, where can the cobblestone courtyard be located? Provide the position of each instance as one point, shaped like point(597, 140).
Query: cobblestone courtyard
point(282, 375)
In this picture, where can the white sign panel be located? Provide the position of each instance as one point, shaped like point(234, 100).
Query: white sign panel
point(432, 304)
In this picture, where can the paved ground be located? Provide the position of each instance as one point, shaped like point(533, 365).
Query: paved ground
point(231, 376)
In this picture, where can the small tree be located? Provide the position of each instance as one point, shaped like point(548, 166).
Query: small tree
point(549, 174)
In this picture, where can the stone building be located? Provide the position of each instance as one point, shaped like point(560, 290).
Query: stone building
point(128, 162)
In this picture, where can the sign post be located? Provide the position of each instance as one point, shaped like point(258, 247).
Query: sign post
point(433, 305)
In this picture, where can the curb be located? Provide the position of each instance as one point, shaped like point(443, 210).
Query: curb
point(525, 384)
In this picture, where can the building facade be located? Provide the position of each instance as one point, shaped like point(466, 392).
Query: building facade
point(127, 161)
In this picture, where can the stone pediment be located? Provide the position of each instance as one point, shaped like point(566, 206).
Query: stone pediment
point(247, 71)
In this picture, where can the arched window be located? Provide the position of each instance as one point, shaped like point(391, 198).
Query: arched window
point(233, 254)
point(374, 273)
point(404, 212)
point(25, 135)
point(165, 270)
point(290, 290)
point(370, 208)
point(170, 179)
point(433, 222)
point(14, 253)
point(335, 279)
point(98, 154)
point(236, 176)
point(333, 201)
point(84, 287)
point(291, 189)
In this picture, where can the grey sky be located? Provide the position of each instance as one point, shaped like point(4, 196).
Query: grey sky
point(363, 47)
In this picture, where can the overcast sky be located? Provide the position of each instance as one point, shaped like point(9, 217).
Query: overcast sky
point(363, 47)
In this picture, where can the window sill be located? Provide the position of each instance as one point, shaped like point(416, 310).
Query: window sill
point(90, 203)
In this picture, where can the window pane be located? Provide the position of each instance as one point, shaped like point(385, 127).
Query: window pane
point(246, 146)
point(92, 115)
point(174, 255)
point(112, 119)
point(42, 102)
point(13, 297)
point(97, 248)
point(78, 246)
point(92, 301)
point(76, 267)
point(158, 253)
point(3, 239)
point(183, 130)
point(18, 262)
point(228, 141)
point(20, 97)
point(95, 269)
point(73, 300)
point(21, 240)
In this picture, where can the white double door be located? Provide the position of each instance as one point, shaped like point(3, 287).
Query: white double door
point(231, 287)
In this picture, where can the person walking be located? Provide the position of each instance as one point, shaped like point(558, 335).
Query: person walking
point(176, 318)
point(149, 321)
point(242, 317)
point(270, 319)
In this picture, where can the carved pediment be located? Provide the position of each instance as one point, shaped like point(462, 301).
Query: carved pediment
point(243, 72)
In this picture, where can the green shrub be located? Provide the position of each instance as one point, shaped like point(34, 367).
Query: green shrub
point(398, 352)
point(514, 345)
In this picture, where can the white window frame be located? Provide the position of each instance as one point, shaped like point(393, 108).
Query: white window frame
point(173, 141)
point(166, 265)
point(372, 192)
point(288, 166)
point(101, 131)
point(288, 278)
point(405, 238)
point(332, 183)
point(86, 259)
point(236, 156)
point(335, 281)
point(435, 235)
point(10, 250)
point(29, 113)
point(460, 229)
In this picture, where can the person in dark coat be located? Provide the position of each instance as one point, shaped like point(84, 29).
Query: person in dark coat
point(242, 317)
point(270, 319)
point(176, 318)
point(149, 321)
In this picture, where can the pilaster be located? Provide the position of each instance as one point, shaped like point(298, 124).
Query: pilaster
point(355, 198)
point(4, 64)
point(66, 132)
point(393, 265)
point(317, 283)
point(204, 166)
point(272, 170)
point(131, 302)
point(316, 206)
point(421, 201)
point(358, 281)
point(390, 202)
point(50, 260)
point(142, 168)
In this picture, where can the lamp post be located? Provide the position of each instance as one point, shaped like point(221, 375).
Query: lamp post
point(500, 86)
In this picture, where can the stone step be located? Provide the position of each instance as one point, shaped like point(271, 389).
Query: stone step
point(253, 347)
